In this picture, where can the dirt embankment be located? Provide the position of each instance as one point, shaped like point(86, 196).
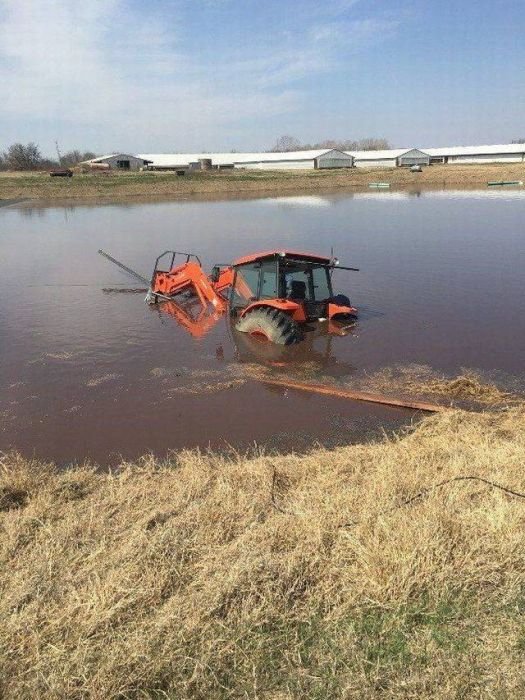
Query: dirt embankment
point(148, 184)
point(372, 571)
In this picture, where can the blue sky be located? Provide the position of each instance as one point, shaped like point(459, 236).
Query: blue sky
point(184, 75)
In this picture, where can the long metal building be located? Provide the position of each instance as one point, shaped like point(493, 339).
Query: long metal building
point(391, 158)
point(292, 160)
point(497, 153)
point(120, 161)
point(331, 158)
point(296, 160)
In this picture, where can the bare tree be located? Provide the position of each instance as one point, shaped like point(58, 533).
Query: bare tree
point(373, 144)
point(289, 143)
point(328, 143)
point(518, 141)
point(286, 143)
point(23, 157)
point(71, 158)
point(47, 163)
point(74, 157)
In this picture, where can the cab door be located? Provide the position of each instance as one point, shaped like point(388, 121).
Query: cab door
point(245, 288)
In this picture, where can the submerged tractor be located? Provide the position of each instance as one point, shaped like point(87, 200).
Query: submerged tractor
point(271, 295)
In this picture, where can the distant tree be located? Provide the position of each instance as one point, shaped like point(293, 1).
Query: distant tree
point(286, 143)
point(71, 158)
point(289, 143)
point(23, 157)
point(518, 141)
point(373, 144)
point(47, 163)
point(74, 157)
point(328, 143)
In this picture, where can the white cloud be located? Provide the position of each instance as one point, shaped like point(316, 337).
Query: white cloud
point(137, 80)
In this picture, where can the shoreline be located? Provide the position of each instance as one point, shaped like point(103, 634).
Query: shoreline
point(152, 185)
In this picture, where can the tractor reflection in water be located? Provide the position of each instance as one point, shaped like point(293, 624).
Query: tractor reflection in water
point(312, 356)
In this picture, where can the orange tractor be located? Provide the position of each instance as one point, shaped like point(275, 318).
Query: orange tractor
point(270, 295)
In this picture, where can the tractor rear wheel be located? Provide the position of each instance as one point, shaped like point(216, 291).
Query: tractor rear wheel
point(272, 324)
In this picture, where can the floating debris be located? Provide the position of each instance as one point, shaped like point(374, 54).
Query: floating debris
point(203, 388)
point(96, 381)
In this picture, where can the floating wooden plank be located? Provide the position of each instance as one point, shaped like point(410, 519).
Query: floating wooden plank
point(357, 395)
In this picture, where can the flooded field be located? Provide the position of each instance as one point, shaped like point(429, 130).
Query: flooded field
point(89, 373)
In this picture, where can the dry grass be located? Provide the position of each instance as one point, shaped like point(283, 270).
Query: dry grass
point(468, 388)
point(215, 577)
point(205, 387)
point(103, 379)
point(410, 382)
point(151, 184)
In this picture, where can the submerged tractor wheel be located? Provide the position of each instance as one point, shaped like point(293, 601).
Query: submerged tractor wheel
point(272, 324)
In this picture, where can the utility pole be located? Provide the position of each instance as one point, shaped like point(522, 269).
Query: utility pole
point(58, 153)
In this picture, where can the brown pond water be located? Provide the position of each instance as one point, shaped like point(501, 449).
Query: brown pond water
point(90, 374)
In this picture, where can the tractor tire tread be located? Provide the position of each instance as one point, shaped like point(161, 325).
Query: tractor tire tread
point(277, 326)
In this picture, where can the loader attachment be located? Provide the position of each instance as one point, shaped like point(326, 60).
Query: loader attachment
point(171, 278)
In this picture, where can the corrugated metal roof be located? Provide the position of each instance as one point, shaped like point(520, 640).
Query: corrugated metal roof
point(476, 150)
point(273, 157)
point(184, 159)
point(98, 159)
point(379, 155)
point(166, 160)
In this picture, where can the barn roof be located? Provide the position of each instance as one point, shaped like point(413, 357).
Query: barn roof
point(99, 159)
point(492, 149)
point(180, 159)
point(391, 153)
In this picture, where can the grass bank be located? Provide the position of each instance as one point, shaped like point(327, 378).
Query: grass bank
point(90, 186)
point(272, 577)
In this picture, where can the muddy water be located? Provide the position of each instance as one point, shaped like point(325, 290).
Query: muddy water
point(86, 373)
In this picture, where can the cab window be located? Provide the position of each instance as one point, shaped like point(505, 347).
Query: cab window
point(246, 284)
point(297, 283)
point(321, 281)
point(269, 280)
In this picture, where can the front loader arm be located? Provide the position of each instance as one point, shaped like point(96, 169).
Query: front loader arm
point(187, 277)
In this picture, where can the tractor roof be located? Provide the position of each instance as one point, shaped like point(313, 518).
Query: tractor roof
point(291, 254)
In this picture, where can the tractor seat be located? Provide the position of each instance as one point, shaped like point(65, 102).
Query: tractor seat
point(297, 290)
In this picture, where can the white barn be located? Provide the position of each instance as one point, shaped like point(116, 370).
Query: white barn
point(296, 160)
point(293, 160)
point(497, 153)
point(391, 158)
point(176, 161)
point(120, 161)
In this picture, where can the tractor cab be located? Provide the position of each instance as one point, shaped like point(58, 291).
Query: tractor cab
point(281, 289)
point(280, 277)
point(301, 278)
